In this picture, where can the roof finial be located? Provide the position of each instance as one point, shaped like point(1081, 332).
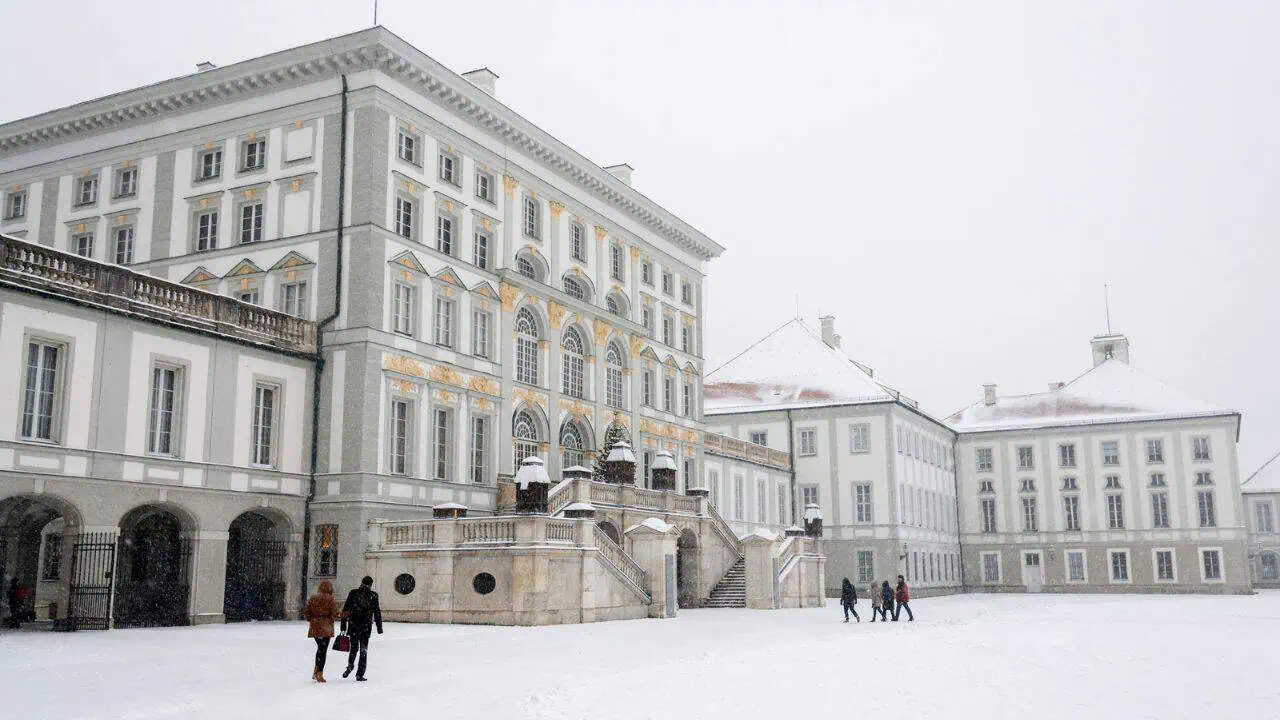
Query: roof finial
point(375, 13)
point(797, 306)
point(1106, 300)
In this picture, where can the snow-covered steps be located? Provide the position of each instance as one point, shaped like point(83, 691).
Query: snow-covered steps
point(731, 591)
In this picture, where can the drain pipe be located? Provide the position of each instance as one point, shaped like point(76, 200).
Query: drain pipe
point(791, 450)
point(319, 356)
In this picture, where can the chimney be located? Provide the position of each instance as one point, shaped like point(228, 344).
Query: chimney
point(1110, 347)
point(622, 172)
point(837, 342)
point(1056, 386)
point(205, 66)
point(828, 329)
point(989, 394)
point(485, 79)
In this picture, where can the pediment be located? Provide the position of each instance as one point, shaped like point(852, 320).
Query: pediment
point(199, 275)
point(409, 261)
point(245, 267)
point(292, 260)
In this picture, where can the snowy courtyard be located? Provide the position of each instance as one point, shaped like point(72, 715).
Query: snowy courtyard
point(974, 656)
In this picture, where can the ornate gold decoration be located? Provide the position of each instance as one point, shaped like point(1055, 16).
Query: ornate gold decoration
point(448, 292)
point(486, 223)
point(530, 397)
point(403, 365)
point(244, 283)
point(507, 293)
point(484, 385)
point(484, 304)
point(444, 396)
point(600, 233)
point(297, 124)
point(482, 404)
point(448, 376)
point(575, 408)
point(120, 219)
point(556, 209)
point(291, 276)
point(406, 275)
point(448, 206)
point(295, 185)
point(626, 372)
point(544, 446)
point(410, 186)
point(637, 344)
point(204, 203)
point(555, 314)
point(689, 451)
point(648, 299)
point(509, 184)
point(248, 193)
point(634, 252)
point(201, 276)
point(692, 436)
point(253, 135)
point(543, 344)
point(404, 387)
point(621, 418)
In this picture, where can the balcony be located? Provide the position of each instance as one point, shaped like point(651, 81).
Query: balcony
point(741, 449)
point(112, 287)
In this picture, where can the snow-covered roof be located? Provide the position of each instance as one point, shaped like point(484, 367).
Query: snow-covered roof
point(1265, 479)
point(656, 524)
point(788, 368)
point(1111, 392)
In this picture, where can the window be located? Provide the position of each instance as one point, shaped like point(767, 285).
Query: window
point(264, 419)
point(253, 154)
point(326, 550)
point(1165, 571)
point(988, 515)
point(1112, 482)
point(782, 505)
point(667, 330)
point(1026, 458)
point(402, 309)
point(1155, 451)
point(648, 463)
point(87, 190)
point(578, 242)
point(1262, 520)
point(1270, 566)
point(1204, 503)
point(404, 217)
point(42, 396)
point(668, 393)
point(809, 495)
point(124, 245)
point(526, 347)
point(125, 183)
point(739, 489)
point(689, 472)
point(525, 434)
point(617, 270)
point(1157, 480)
point(448, 167)
point(1115, 512)
point(859, 438)
point(613, 376)
point(1119, 566)
point(1071, 513)
point(1076, 566)
point(400, 434)
point(440, 437)
point(480, 250)
point(686, 338)
point(611, 305)
point(51, 569)
point(646, 319)
point(759, 437)
point(666, 282)
point(1030, 521)
point(713, 480)
point(251, 218)
point(531, 220)
point(686, 406)
point(248, 296)
point(686, 293)
point(808, 441)
point(207, 230)
point(986, 486)
point(407, 146)
point(866, 566)
point(480, 333)
point(209, 164)
point(1069, 483)
point(646, 388)
point(15, 206)
point(1200, 449)
point(1211, 565)
point(990, 567)
point(862, 503)
point(1110, 453)
point(646, 273)
point(1028, 485)
point(761, 500)
point(573, 364)
point(1160, 510)
point(1067, 455)
point(83, 244)
point(293, 299)
point(444, 321)
point(1204, 478)
point(444, 234)
point(984, 463)
point(484, 186)
point(573, 289)
point(162, 425)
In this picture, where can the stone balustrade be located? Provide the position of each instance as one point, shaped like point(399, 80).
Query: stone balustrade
point(474, 532)
point(742, 450)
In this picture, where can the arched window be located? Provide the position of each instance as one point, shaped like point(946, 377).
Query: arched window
point(526, 347)
point(612, 306)
point(573, 289)
point(573, 364)
point(616, 304)
point(613, 377)
point(571, 446)
point(525, 267)
point(524, 432)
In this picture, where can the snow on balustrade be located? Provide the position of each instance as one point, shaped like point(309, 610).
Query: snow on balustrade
point(741, 449)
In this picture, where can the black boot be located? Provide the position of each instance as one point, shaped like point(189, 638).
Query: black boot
point(347, 671)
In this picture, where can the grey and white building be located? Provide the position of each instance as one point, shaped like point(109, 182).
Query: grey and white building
point(1261, 494)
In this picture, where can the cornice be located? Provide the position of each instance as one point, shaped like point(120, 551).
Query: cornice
point(373, 49)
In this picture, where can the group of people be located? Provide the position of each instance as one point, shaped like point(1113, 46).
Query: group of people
point(885, 601)
point(357, 618)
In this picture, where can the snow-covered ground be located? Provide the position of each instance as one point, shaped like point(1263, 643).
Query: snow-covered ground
point(965, 657)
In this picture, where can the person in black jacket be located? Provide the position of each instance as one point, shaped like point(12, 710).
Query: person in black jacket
point(849, 598)
point(886, 598)
point(360, 613)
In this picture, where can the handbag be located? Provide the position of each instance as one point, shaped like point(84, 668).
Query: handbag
point(342, 643)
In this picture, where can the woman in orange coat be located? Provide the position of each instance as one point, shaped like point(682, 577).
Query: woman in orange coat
point(321, 611)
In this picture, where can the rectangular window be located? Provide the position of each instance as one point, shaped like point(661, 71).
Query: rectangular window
point(666, 330)
point(1112, 482)
point(1067, 455)
point(166, 394)
point(646, 388)
point(480, 333)
point(984, 463)
point(1026, 457)
point(42, 394)
point(1160, 510)
point(401, 422)
point(126, 182)
point(1071, 512)
point(447, 168)
point(862, 506)
point(1157, 480)
point(809, 495)
point(1204, 478)
point(253, 154)
point(326, 550)
point(988, 515)
point(1069, 483)
point(83, 245)
point(616, 268)
point(1262, 519)
point(248, 296)
point(1115, 512)
point(1204, 502)
point(124, 245)
point(1155, 451)
point(761, 500)
point(440, 440)
point(1200, 449)
point(251, 219)
point(646, 273)
point(782, 505)
point(713, 480)
point(1030, 521)
point(739, 489)
point(666, 282)
point(293, 299)
point(404, 218)
point(759, 437)
point(866, 566)
point(1110, 453)
point(531, 224)
point(1075, 566)
point(686, 335)
point(1119, 566)
point(990, 567)
point(407, 147)
point(51, 569)
point(210, 164)
point(479, 448)
point(444, 322)
point(686, 293)
point(15, 206)
point(87, 190)
point(480, 251)
point(444, 234)
point(686, 400)
point(859, 438)
point(264, 419)
point(1211, 563)
point(667, 394)
point(484, 186)
point(1164, 566)
point(402, 310)
point(207, 230)
point(808, 441)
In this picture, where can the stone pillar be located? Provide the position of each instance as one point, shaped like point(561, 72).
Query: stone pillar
point(208, 577)
point(653, 546)
point(758, 549)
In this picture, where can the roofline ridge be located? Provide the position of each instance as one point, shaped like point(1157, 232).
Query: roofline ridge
point(748, 348)
point(1261, 467)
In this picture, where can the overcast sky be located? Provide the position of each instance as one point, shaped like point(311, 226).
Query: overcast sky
point(955, 181)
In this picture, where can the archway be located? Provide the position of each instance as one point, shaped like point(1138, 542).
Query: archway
point(687, 569)
point(153, 570)
point(37, 534)
point(257, 567)
point(610, 530)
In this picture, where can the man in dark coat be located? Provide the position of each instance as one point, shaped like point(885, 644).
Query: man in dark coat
point(848, 599)
point(360, 613)
point(886, 598)
point(903, 597)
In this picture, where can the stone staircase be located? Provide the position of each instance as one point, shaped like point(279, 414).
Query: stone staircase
point(731, 591)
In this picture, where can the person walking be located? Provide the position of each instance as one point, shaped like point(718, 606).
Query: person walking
point(15, 607)
point(877, 604)
point(360, 613)
point(320, 613)
point(903, 596)
point(848, 599)
point(886, 599)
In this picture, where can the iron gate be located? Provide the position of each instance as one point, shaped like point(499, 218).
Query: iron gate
point(156, 590)
point(93, 562)
point(256, 580)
